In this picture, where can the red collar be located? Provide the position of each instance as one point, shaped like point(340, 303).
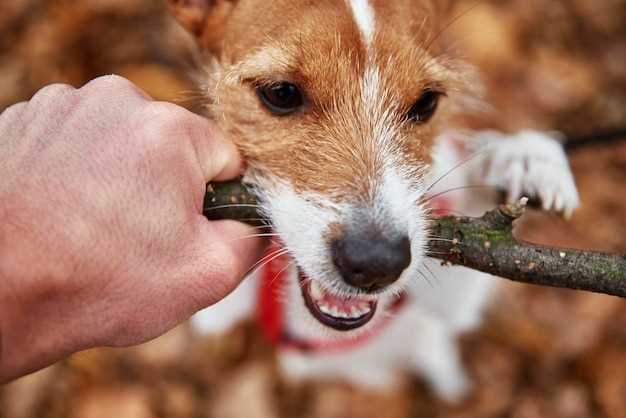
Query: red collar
point(270, 315)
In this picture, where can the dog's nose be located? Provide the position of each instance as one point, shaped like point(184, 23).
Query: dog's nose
point(371, 261)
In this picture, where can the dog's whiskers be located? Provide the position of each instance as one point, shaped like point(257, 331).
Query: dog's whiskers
point(191, 97)
point(436, 253)
point(232, 205)
point(445, 240)
point(268, 234)
point(421, 273)
point(435, 278)
point(267, 259)
point(455, 167)
point(279, 250)
point(447, 212)
point(428, 198)
point(437, 35)
point(277, 275)
point(261, 227)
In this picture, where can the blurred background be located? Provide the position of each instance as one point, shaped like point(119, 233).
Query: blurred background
point(548, 64)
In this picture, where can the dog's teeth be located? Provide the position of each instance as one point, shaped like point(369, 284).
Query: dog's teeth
point(332, 311)
point(326, 309)
point(350, 310)
point(316, 291)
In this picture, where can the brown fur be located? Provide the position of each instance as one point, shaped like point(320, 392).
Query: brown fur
point(329, 147)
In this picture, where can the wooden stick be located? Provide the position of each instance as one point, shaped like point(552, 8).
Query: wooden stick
point(486, 243)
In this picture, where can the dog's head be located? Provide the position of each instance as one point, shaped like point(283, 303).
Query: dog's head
point(334, 106)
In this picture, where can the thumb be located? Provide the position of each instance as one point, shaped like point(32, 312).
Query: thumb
point(223, 253)
point(219, 158)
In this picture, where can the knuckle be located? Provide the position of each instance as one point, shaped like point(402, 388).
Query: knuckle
point(53, 93)
point(158, 132)
point(163, 120)
point(14, 111)
point(166, 112)
point(109, 84)
point(109, 81)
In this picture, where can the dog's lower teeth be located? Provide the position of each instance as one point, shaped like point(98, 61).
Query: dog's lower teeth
point(352, 309)
point(338, 313)
point(316, 291)
point(326, 309)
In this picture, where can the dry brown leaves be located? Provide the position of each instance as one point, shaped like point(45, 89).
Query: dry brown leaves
point(541, 353)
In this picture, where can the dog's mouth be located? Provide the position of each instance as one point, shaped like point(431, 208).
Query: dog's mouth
point(337, 312)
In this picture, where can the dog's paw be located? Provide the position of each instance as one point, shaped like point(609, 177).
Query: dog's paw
point(453, 388)
point(531, 164)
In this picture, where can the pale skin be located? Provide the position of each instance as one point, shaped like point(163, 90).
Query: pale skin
point(102, 238)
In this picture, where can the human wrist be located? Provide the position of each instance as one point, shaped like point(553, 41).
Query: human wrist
point(36, 323)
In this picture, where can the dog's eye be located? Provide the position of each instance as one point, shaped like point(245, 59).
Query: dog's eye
point(281, 98)
point(424, 108)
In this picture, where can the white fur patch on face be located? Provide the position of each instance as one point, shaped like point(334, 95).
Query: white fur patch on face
point(398, 208)
point(385, 128)
point(370, 87)
point(301, 220)
point(364, 17)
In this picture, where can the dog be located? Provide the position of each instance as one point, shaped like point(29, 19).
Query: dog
point(340, 109)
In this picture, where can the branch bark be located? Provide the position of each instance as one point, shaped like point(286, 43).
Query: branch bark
point(486, 243)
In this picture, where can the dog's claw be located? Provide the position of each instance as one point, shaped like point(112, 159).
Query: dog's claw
point(533, 164)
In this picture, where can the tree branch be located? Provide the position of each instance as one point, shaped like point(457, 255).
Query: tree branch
point(486, 243)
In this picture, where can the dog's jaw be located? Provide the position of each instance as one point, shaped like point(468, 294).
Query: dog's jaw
point(334, 311)
point(302, 222)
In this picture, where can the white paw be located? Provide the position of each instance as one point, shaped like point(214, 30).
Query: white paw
point(531, 164)
point(373, 378)
point(453, 388)
point(348, 368)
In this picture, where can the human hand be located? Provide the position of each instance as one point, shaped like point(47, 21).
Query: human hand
point(102, 238)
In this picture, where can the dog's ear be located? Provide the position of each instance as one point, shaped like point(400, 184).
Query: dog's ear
point(204, 19)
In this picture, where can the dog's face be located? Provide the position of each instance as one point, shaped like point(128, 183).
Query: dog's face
point(334, 105)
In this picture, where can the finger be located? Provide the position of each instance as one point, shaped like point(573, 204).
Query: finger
point(223, 253)
point(11, 118)
point(218, 156)
point(113, 87)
